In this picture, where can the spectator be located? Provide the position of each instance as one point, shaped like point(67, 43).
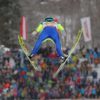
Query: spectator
point(75, 81)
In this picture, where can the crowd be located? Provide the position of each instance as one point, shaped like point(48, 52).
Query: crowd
point(78, 79)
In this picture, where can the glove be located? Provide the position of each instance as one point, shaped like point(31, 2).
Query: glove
point(34, 33)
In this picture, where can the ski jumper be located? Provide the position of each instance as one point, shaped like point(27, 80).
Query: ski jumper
point(46, 31)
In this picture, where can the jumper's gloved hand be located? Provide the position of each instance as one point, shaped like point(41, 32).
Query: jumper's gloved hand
point(34, 33)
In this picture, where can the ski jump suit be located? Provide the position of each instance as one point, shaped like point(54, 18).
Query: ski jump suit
point(49, 31)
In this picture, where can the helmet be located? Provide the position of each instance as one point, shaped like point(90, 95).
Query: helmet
point(49, 19)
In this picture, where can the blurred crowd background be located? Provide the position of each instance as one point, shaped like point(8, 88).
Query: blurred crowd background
point(78, 79)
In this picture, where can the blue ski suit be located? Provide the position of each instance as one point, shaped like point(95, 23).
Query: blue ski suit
point(51, 32)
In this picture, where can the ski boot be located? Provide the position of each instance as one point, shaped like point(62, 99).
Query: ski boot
point(31, 56)
point(63, 58)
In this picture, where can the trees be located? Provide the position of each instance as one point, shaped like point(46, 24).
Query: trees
point(69, 12)
point(9, 16)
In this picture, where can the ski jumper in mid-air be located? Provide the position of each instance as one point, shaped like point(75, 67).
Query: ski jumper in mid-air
point(50, 28)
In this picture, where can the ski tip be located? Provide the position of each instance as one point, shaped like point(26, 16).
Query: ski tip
point(55, 75)
point(37, 69)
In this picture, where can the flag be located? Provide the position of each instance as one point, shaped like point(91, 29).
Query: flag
point(23, 28)
point(86, 27)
